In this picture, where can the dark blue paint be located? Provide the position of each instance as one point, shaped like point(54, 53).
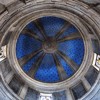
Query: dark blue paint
point(47, 71)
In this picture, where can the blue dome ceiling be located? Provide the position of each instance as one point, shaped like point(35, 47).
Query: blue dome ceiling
point(47, 71)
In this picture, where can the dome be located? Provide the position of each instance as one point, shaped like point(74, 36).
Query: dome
point(50, 50)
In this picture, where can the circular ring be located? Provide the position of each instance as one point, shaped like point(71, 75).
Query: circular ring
point(55, 86)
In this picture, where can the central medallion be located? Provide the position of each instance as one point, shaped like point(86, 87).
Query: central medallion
point(49, 45)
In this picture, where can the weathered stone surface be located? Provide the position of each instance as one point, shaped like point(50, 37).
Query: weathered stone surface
point(6, 2)
point(4, 93)
point(2, 8)
point(92, 1)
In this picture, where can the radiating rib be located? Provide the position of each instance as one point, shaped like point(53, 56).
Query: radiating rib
point(70, 37)
point(36, 65)
point(70, 62)
point(69, 94)
point(63, 29)
point(25, 59)
point(9, 77)
point(23, 91)
point(86, 83)
point(30, 33)
point(92, 36)
point(41, 28)
point(61, 71)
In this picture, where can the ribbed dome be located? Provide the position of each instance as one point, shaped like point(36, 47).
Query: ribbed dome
point(49, 49)
point(62, 37)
